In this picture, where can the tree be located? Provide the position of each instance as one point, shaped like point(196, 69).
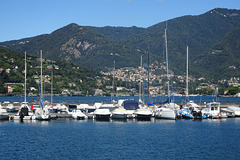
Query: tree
point(233, 91)
point(18, 89)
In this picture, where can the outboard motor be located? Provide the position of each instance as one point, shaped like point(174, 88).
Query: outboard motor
point(23, 112)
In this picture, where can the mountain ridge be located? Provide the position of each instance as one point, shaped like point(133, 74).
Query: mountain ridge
point(98, 47)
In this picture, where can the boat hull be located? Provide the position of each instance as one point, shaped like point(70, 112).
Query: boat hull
point(4, 117)
point(143, 117)
point(165, 114)
point(119, 116)
point(101, 117)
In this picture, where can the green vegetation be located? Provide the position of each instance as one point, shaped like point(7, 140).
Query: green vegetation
point(66, 75)
point(213, 40)
point(233, 91)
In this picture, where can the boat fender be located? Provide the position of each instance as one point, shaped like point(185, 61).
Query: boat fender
point(219, 114)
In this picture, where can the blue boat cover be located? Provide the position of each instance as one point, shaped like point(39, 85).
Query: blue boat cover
point(150, 104)
point(167, 101)
point(41, 102)
point(130, 105)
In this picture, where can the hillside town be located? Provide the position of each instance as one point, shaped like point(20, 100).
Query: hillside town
point(157, 81)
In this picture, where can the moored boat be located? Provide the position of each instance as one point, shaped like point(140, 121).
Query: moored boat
point(102, 114)
point(212, 110)
point(165, 113)
point(130, 106)
point(143, 114)
point(23, 113)
point(3, 114)
point(119, 113)
point(186, 114)
point(10, 108)
point(78, 114)
point(235, 110)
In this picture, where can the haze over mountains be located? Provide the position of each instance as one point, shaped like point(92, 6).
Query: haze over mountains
point(213, 39)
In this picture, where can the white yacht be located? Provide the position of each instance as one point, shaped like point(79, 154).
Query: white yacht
point(102, 114)
point(89, 109)
point(5, 104)
point(62, 108)
point(119, 113)
point(10, 108)
point(3, 114)
point(78, 114)
point(212, 110)
point(165, 113)
point(234, 109)
point(130, 106)
point(143, 113)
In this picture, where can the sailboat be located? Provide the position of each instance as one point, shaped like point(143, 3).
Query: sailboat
point(186, 112)
point(191, 110)
point(42, 113)
point(24, 111)
point(168, 110)
point(144, 113)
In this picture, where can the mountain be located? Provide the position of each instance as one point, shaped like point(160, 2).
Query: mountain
point(224, 56)
point(77, 44)
point(98, 47)
point(65, 73)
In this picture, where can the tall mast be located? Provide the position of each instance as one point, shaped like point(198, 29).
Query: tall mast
point(41, 94)
point(51, 85)
point(187, 77)
point(25, 87)
point(113, 81)
point(140, 83)
point(145, 79)
point(148, 72)
point(167, 62)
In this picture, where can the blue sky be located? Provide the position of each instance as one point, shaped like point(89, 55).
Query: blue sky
point(28, 18)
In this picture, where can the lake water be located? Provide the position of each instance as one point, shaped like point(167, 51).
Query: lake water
point(131, 139)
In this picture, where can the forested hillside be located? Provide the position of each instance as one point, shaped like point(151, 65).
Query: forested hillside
point(98, 47)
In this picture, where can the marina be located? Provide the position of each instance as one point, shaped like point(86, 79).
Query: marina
point(121, 109)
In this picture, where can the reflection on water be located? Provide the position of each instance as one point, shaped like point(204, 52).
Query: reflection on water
point(152, 120)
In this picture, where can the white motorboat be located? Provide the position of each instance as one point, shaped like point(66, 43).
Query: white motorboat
point(119, 113)
point(165, 113)
point(110, 106)
point(143, 113)
point(89, 109)
point(5, 104)
point(78, 114)
point(62, 108)
point(23, 113)
point(10, 108)
point(212, 110)
point(102, 114)
point(234, 109)
point(130, 106)
point(3, 114)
